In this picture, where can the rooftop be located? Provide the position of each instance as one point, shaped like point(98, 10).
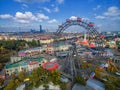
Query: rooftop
point(23, 62)
point(95, 84)
point(78, 87)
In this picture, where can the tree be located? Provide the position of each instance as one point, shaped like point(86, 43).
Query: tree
point(35, 77)
point(21, 76)
point(117, 42)
point(17, 82)
point(63, 86)
point(119, 48)
point(80, 80)
point(46, 87)
point(11, 85)
point(109, 86)
point(55, 77)
point(33, 43)
point(6, 59)
point(1, 82)
point(2, 50)
point(98, 72)
point(38, 43)
point(117, 83)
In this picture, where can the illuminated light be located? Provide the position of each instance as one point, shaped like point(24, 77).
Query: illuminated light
point(74, 55)
point(27, 79)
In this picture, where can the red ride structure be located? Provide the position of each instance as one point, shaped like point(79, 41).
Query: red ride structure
point(91, 24)
point(60, 26)
point(79, 19)
point(68, 20)
point(50, 66)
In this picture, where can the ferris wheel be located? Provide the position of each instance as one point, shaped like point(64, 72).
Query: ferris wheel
point(72, 65)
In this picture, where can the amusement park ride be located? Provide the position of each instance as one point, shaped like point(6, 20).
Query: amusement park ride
point(72, 65)
point(90, 27)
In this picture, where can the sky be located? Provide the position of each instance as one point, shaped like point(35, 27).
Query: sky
point(23, 15)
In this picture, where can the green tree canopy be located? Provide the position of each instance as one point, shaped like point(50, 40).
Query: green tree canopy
point(80, 80)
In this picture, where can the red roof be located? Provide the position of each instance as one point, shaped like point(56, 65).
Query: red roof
point(43, 37)
point(32, 63)
point(50, 66)
point(85, 42)
point(102, 36)
point(92, 45)
point(48, 46)
point(2, 76)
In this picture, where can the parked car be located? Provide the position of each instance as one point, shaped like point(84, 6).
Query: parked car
point(64, 79)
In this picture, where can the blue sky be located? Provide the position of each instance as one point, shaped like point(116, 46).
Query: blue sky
point(16, 15)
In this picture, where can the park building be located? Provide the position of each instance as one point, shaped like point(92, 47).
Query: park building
point(30, 52)
point(48, 49)
point(13, 38)
point(14, 59)
point(28, 39)
point(27, 64)
point(62, 47)
point(46, 40)
point(59, 47)
point(4, 37)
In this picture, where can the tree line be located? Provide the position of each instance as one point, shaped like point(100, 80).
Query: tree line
point(11, 47)
point(36, 78)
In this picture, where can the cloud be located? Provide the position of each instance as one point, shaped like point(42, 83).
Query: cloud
point(116, 18)
point(47, 9)
point(86, 19)
point(99, 25)
point(31, 1)
point(6, 16)
point(26, 17)
point(96, 8)
point(52, 21)
point(22, 20)
point(73, 18)
point(112, 11)
point(100, 17)
point(41, 16)
point(25, 5)
point(60, 1)
point(56, 9)
point(52, 5)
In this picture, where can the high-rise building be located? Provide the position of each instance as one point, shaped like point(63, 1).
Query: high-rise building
point(40, 28)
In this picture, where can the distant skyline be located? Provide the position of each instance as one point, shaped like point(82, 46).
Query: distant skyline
point(23, 15)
